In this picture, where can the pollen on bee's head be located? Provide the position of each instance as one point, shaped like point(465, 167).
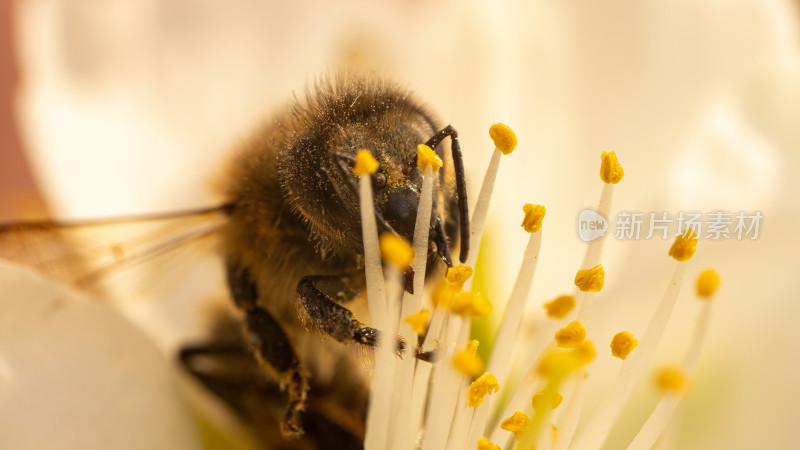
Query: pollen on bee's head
point(452, 401)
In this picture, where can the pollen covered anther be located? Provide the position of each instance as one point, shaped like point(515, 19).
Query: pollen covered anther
point(485, 384)
point(534, 215)
point(485, 444)
point(456, 276)
point(516, 424)
point(467, 361)
point(560, 307)
point(503, 137)
point(707, 283)
point(537, 401)
point(685, 246)
point(590, 280)
point(470, 303)
point(557, 365)
point(571, 335)
point(671, 379)
point(584, 353)
point(622, 344)
point(365, 163)
point(610, 170)
point(419, 321)
point(396, 250)
point(426, 157)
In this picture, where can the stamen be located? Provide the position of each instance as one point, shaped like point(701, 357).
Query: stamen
point(662, 413)
point(610, 173)
point(406, 425)
point(506, 138)
point(636, 363)
point(622, 344)
point(378, 406)
point(500, 358)
point(470, 406)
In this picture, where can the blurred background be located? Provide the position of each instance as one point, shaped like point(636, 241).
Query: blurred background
point(112, 108)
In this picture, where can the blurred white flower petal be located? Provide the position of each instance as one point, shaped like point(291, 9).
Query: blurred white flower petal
point(74, 374)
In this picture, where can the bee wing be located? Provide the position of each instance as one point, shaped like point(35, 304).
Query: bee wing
point(82, 253)
point(160, 270)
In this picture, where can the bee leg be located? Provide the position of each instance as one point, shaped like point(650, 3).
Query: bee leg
point(271, 347)
point(335, 320)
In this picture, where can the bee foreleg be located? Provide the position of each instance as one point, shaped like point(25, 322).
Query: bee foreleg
point(335, 320)
point(271, 347)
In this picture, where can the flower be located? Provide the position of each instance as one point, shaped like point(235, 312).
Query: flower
point(663, 85)
point(447, 409)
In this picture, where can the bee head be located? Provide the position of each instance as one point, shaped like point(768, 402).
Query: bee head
point(317, 159)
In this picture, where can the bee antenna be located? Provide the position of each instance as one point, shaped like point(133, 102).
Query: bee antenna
point(461, 185)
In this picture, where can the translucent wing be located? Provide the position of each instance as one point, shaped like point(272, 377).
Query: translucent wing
point(82, 253)
point(160, 270)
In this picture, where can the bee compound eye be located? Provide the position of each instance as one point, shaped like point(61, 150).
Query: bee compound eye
point(380, 180)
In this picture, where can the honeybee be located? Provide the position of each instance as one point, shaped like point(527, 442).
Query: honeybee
point(292, 249)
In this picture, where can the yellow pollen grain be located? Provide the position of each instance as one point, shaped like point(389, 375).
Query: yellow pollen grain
point(622, 344)
point(516, 424)
point(485, 444)
point(365, 163)
point(560, 307)
point(534, 214)
point(537, 401)
point(671, 379)
point(485, 384)
point(428, 158)
point(419, 321)
point(590, 280)
point(503, 137)
point(684, 246)
point(456, 276)
point(396, 250)
point(610, 170)
point(554, 433)
point(467, 361)
point(571, 335)
point(707, 283)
